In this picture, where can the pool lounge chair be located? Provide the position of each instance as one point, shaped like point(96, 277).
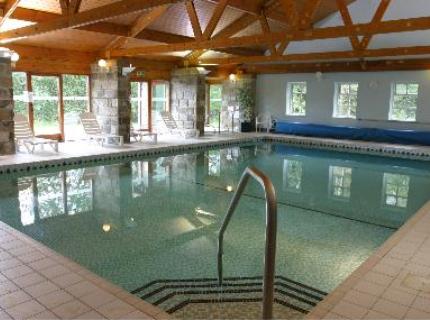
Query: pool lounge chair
point(173, 128)
point(24, 136)
point(94, 132)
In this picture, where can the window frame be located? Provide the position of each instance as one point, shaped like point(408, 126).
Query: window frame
point(289, 107)
point(331, 184)
point(384, 192)
point(392, 94)
point(337, 92)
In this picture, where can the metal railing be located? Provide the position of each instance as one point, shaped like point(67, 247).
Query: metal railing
point(271, 229)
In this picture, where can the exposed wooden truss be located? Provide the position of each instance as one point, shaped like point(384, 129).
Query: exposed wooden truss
point(295, 18)
point(390, 26)
point(84, 18)
point(8, 9)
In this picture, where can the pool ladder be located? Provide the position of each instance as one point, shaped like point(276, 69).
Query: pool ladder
point(271, 229)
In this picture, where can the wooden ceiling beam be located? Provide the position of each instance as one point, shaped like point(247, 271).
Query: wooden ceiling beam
point(216, 16)
point(64, 4)
point(194, 19)
point(308, 14)
point(347, 20)
point(342, 66)
point(138, 26)
point(291, 13)
point(74, 6)
point(84, 18)
point(316, 56)
point(379, 14)
point(389, 26)
point(8, 9)
point(266, 29)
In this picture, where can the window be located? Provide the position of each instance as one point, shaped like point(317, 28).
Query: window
point(160, 95)
point(139, 105)
point(214, 163)
point(293, 171)
point(215, 104)
point(76, 102)
point(346, 99)
point(296, 99)
point(340, 182)
point(46, 104)
point(20, 94)
point(396, 190)
point(404, 101)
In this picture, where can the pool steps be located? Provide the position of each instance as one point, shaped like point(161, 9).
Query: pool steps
point(172, 295)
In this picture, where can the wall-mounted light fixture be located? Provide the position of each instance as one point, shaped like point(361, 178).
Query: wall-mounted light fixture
point(102, 63)
point(232, 77)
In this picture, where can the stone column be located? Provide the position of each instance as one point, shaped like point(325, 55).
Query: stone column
point(7, 143)
point(110, 96)
point(188, 98)
point(230, 96)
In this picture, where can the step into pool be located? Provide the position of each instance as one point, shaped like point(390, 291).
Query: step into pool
point(150, 225)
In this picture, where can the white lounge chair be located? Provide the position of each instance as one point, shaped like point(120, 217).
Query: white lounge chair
point(94, 132)
point(24, 136)
point(173, 128)
point(263, 121)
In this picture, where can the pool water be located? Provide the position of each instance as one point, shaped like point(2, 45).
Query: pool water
point(151, 225)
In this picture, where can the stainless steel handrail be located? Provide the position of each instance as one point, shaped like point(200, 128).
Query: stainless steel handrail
point(271, 229)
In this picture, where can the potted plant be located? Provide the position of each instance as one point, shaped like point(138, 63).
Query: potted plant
point(246, 108)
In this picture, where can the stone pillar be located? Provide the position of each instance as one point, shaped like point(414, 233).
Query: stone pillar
point(230, 90)
point(188, 98)
point(110, 96)
point(7, 143)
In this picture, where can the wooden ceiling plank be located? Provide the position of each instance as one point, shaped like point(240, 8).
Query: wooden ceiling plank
point(8, 10)
point(347, 20)
point(194, 19)
point(83, 18)
point(379, 14)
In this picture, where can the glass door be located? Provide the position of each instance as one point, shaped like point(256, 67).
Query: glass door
point(76, 102)
point(139, 105)
point(46, 105)
point(160, 102)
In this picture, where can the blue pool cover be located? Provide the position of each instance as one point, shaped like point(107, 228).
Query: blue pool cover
point(354, 133)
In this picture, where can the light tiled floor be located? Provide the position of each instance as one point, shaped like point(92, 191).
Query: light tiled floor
point(394, 283)
point(37, 283)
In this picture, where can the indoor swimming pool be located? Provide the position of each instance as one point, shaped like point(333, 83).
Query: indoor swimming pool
point(151, 225)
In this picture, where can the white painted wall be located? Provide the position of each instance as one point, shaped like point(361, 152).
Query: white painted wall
point(373, 103)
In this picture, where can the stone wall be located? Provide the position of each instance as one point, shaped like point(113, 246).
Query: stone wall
point(111, 98)
point(188, 98)
point(230, 98)
point(7, 144)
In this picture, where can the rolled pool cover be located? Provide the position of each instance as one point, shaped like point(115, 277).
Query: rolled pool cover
point(410, 137)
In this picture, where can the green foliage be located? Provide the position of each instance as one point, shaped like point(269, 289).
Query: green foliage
point(46, 97)
point(246, 103)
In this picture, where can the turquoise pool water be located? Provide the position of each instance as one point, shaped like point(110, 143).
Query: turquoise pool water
point(157, 219)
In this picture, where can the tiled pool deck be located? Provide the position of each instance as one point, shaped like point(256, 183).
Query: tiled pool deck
point(36, 282)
